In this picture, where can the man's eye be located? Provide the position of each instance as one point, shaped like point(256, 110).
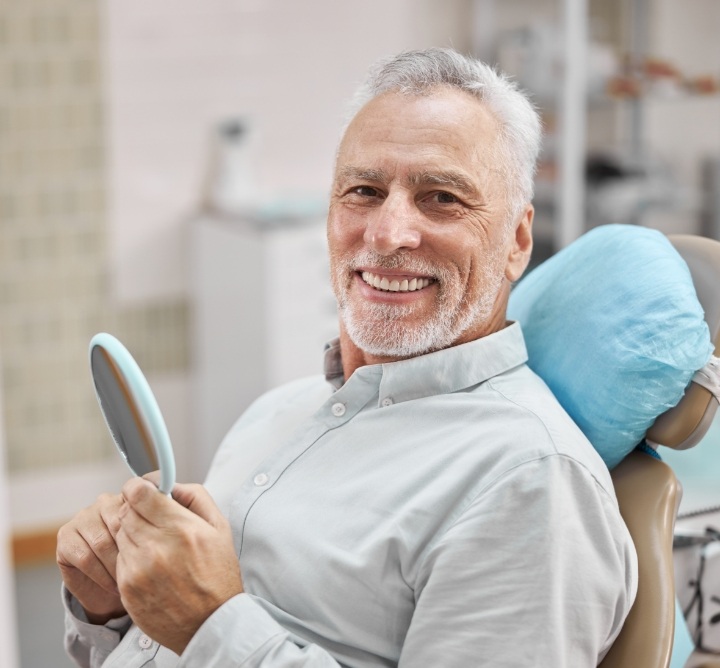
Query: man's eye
point(446, 198)
point(365, 191)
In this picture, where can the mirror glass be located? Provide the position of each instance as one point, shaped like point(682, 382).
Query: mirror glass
point(131, 411)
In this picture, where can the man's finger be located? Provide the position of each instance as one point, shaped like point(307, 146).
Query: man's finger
point(136, 528)
point(145, 498)
point(188, 502)
point(102, 545)
point(77, 554)
point(153, 477)
point(110, 518)
point(197, 499)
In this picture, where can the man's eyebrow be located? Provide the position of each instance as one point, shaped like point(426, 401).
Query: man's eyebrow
point(448, 178)
point(444, 178)
point(349, 172)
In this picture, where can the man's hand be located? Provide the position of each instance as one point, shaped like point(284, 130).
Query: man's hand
point(87, 555)
point(176, 563)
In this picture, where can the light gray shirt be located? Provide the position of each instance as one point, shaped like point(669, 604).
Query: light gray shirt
point(438, 511)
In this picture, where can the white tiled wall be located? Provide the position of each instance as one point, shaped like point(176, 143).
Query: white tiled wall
point(54, 242)
point(52, 231)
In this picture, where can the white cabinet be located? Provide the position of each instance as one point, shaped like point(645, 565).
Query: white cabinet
point(262, 310)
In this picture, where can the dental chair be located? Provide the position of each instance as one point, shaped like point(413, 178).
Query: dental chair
point(613, 326)
point(647, 488)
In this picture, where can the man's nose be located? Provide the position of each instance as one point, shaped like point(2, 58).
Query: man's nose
point(393, 226)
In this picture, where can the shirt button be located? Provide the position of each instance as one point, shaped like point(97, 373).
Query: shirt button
point(144, 641)
point(338, 410)
point(261, 479)
point(387, 401)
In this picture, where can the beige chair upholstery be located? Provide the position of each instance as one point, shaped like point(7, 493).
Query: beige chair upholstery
point(647, 488)
point(649, 493)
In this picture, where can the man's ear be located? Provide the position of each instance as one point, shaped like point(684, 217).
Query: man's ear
point(521, 245)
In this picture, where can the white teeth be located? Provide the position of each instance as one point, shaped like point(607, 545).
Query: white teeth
point(395, 285)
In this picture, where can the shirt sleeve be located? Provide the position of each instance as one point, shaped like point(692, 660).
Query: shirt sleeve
point(89, 644)
point(239, 633)
point(538, 570)
point(242, 633)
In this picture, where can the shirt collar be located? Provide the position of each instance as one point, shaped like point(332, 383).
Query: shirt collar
point(440, 372)
point(333, 364)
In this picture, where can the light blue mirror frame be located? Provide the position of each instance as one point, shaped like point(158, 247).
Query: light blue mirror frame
point(126, 390)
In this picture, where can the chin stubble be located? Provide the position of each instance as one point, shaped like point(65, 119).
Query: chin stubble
point(379, 329)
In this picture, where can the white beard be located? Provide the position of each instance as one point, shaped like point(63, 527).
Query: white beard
point(379, 329)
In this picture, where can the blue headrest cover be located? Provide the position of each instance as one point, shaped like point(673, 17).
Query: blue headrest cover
point(614, 327)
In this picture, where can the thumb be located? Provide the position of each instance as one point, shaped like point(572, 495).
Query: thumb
point(197, 499)
point(153, 477)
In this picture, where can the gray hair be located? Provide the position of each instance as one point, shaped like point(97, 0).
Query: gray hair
point(419, 72)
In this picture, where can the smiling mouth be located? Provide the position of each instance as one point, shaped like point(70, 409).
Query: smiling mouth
point(395, 284)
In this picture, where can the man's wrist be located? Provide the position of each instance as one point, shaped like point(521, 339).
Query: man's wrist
point(100, 619)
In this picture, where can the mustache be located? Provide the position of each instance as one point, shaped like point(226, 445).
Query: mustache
point(412, 264)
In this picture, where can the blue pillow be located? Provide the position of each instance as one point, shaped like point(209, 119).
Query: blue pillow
point(614, 327)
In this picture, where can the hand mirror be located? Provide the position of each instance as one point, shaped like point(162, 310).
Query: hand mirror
point(131, 411)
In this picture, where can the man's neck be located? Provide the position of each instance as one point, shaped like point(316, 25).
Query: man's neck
point(353, 357)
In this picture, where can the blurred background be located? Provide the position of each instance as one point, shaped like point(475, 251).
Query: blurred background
point(164, 169)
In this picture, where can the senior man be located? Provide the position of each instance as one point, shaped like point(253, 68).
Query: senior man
point(428, 502)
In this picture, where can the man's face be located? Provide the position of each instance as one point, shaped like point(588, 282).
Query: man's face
point(420, 233)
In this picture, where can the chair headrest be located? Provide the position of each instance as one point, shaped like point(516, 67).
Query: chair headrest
point(614, 326)
point(684, 425)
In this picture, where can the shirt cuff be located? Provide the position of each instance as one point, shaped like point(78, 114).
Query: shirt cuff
point(237, 631)
point(103, 637)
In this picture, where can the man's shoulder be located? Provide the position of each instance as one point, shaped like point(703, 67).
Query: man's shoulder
point(542, 425)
